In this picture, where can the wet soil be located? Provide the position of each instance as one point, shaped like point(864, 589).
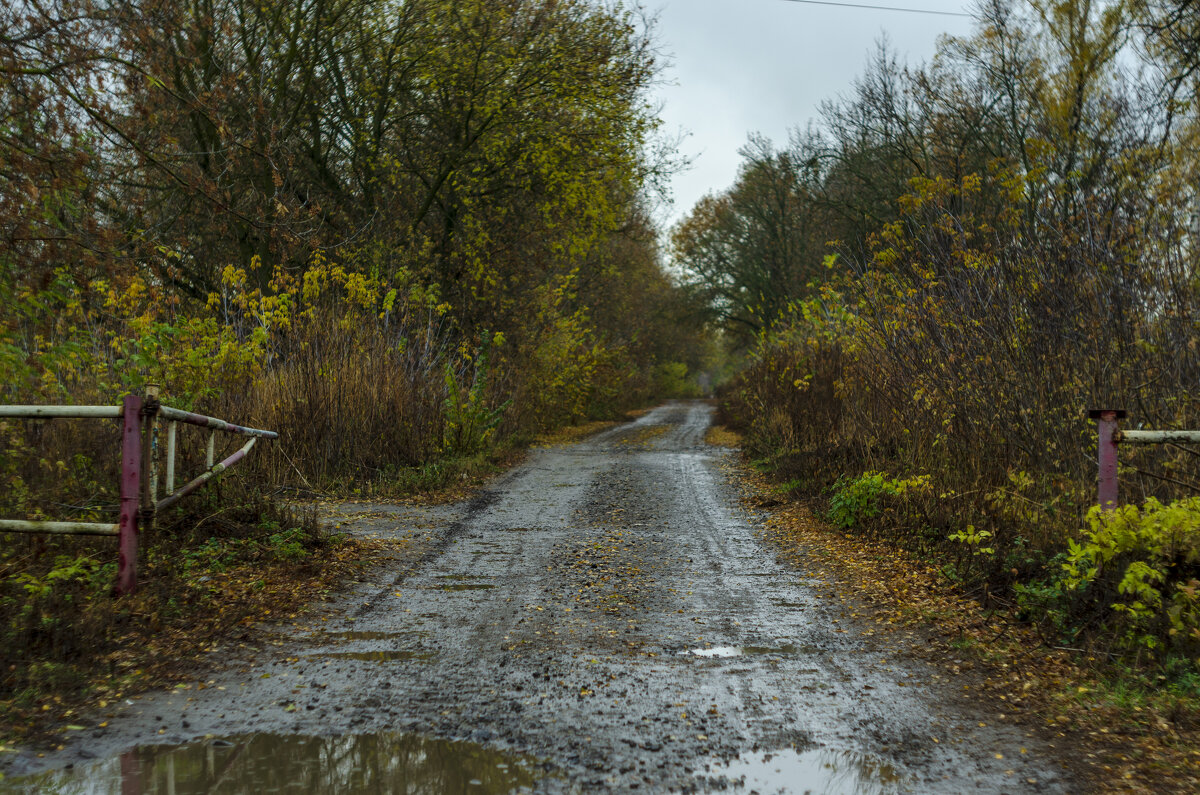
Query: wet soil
point(603, 617)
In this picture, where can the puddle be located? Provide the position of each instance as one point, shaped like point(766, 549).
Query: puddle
point(363, 635)
point(716, 651)
point(374, 763)
point(820, 771)
point(385, 655)
point(785, 649)
point(740, 651)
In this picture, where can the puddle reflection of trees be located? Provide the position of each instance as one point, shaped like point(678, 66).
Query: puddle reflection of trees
point(392, 763)
point(818, 771)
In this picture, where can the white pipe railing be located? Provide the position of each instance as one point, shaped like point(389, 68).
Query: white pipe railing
point(60, 412)
point(1158, 437)
point(62, 528)
point(1111, 436)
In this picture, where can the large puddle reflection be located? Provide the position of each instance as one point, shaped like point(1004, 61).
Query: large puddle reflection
point(819, 771)
point(269, 763)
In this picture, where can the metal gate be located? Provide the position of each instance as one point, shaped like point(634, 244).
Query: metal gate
point(139, 416)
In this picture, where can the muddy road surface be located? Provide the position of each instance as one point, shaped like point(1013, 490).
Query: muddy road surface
point(604, 617)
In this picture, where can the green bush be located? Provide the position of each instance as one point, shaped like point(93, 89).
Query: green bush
point(1140, 569)
point(471, 422)
point(861, 498)
point(288, 544)
point(213, 555)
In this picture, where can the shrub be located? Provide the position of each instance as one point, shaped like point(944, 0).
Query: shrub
point(471, 422)
point(862, 498)
point(1140, 570)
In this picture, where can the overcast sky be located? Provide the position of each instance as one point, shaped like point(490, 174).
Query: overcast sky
point(742, 66)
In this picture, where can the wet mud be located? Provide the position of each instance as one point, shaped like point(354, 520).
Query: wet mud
point(604, 617)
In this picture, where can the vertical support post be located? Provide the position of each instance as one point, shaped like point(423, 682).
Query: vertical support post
point(1107, 425)
point(149, 456)
point(131, 774)
point(131, 477)
point(172, 427)
point(209, 455)
point(152, 461)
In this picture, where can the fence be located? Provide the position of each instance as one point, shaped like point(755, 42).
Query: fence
point(139, 502)
point(1108, 424)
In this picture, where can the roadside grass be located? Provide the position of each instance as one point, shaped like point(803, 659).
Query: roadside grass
point(577, 433)
point(642, 438)
point(1128, 728)
point(721, 436)
point(437, 482)
point(452, 479)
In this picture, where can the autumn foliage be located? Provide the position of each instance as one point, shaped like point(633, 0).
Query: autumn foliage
point(404, 235)
point(1008, 240)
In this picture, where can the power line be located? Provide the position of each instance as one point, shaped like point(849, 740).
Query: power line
point(882, 8)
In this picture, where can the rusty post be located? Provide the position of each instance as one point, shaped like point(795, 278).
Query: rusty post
point(1107, 424)
point(131, 477)
point(131, 774)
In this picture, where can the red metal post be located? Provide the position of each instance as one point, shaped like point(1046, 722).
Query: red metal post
point(131, 774)
point(131, 475)
point(1107, 421)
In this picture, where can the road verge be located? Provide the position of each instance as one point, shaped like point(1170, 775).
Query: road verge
point(1124, 736)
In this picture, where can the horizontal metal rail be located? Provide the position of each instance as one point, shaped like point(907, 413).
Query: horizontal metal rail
point(64, 528)
point(60, 412)
point(212, 422)
point(1157, 437)
point(171, 499)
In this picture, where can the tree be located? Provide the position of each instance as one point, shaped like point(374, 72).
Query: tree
point(759, 246)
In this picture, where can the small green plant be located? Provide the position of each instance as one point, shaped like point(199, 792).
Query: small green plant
point(66, 570)
point(1045, 600)
point(789, 487)
point(288, 545)
point(764, 465)
point(213, 555)
point(861, 498)
point(975, 540)
point(57, 676)
point(470, 422)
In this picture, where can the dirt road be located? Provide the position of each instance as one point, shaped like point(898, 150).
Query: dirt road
point(603, 617)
